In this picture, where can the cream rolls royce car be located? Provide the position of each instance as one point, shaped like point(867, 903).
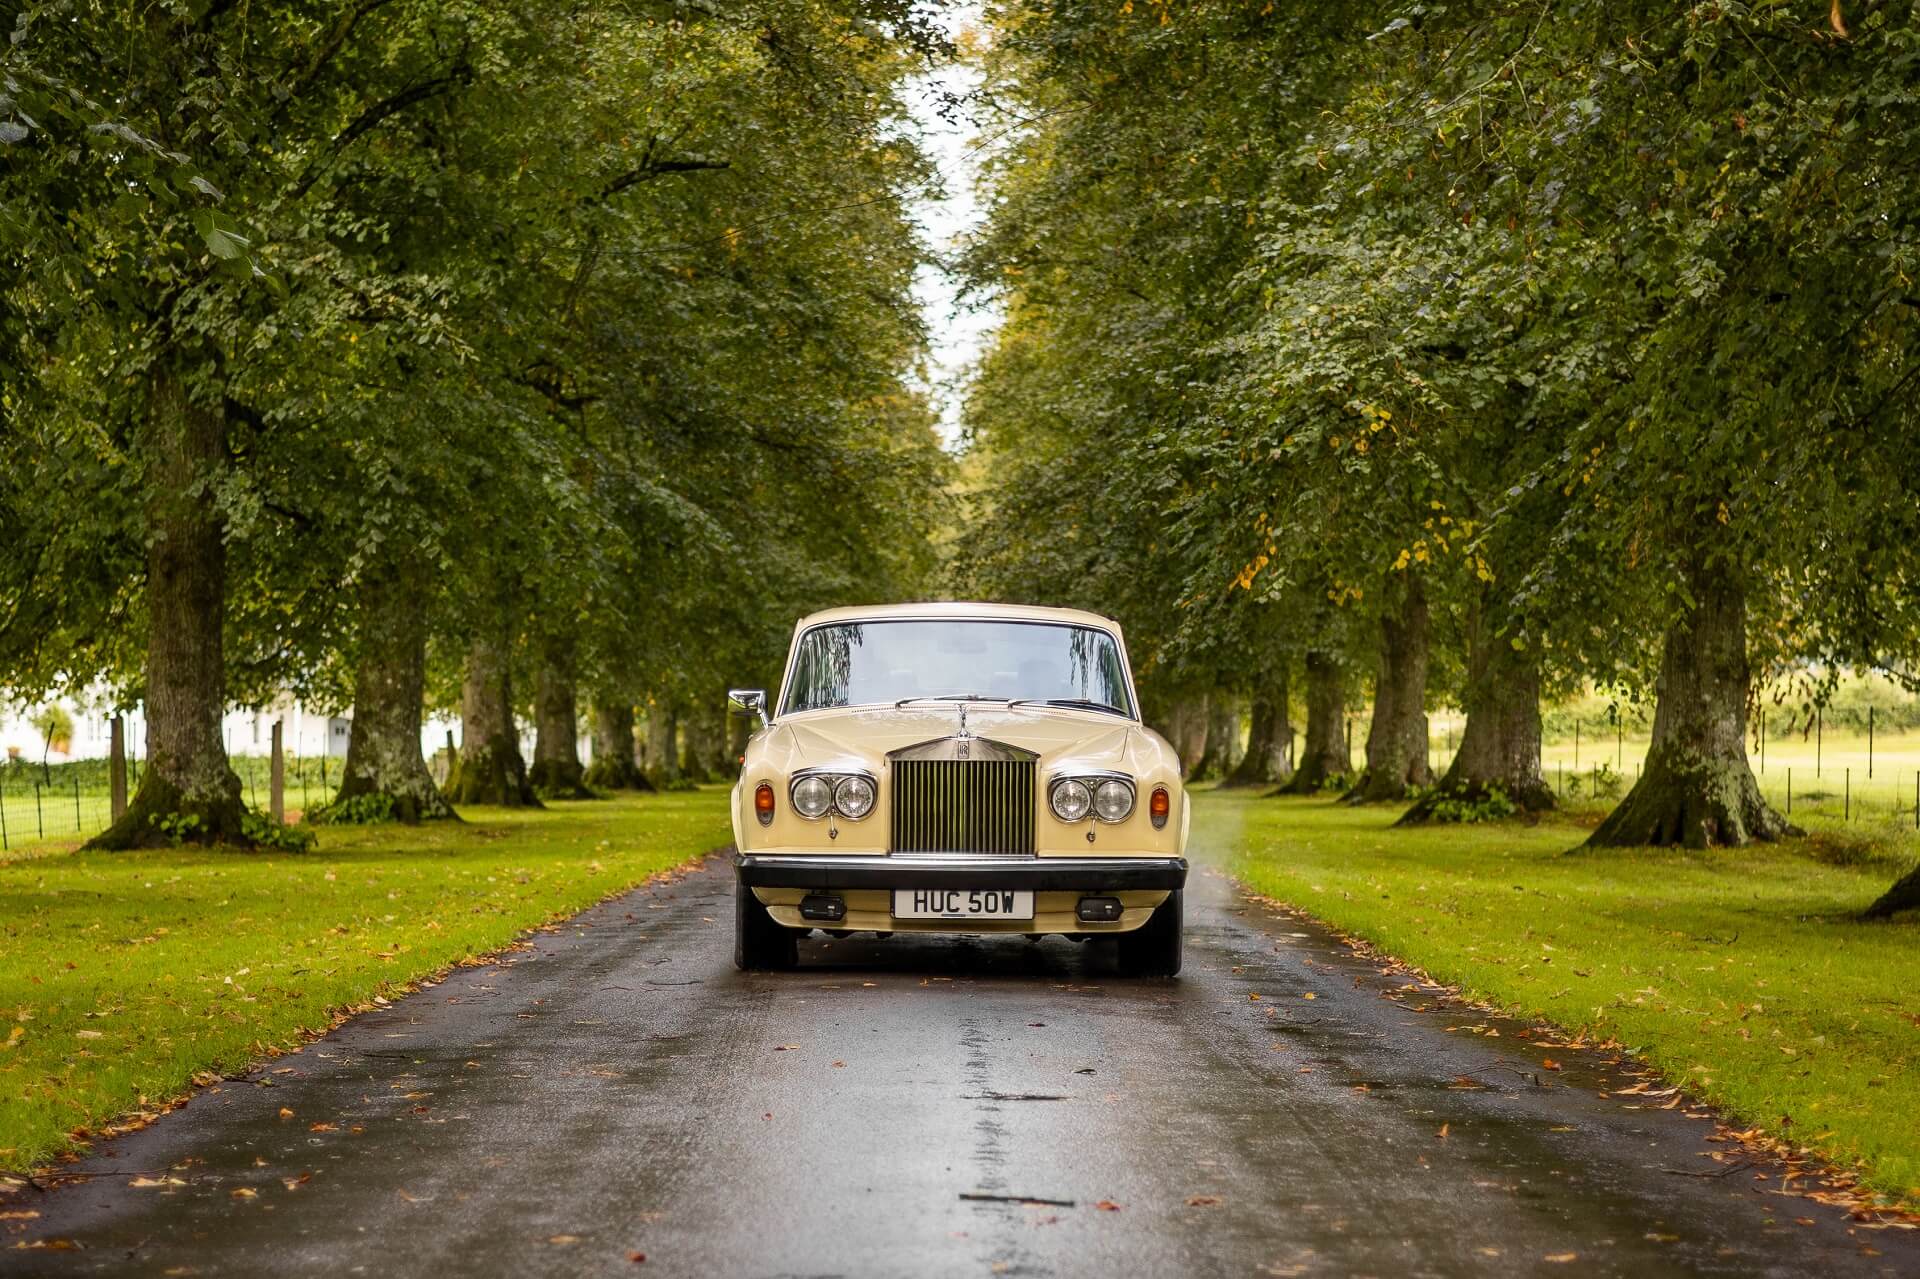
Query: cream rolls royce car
point(957, 768)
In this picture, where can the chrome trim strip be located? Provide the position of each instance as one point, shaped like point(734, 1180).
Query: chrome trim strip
point(1040, 874)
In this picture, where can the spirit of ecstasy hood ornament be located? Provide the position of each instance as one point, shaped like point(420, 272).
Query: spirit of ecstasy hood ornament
point(963, 721)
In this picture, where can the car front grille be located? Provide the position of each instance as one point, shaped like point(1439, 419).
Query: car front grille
point(963, 806)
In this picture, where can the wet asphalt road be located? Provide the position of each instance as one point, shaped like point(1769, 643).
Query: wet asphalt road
point(616, 1091)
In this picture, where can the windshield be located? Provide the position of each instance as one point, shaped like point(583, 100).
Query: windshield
point(861, 663)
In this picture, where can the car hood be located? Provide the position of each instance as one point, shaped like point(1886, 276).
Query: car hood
point(867, 735)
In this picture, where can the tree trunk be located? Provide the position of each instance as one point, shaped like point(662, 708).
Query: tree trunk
point(1324, 758)
point(1269, 757)
point(490, 769)
point(556, 744)
point(1904, 895)
point(1500, 747)
point(1697, 789)
point(187, 783)
point(1186, 730)
point(1397, 732)
point(1222, 750)
point(663, 748)
point(706, 747)
point(389, 690)
point(614, 766)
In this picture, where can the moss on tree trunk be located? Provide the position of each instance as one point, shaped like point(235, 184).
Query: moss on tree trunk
point(614, 766)
point(1397, 732)
point(490, 769)
point(1324, 756)
point(1697, 789)
point(556, 770)
point(1269, 757)
point(1500, 747)
point(389, 689)
point(187, 790)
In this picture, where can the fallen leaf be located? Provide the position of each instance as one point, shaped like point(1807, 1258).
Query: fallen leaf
point(1309, 995)
point(636, 1257)
point(1549, 1063)
point(244, 1192)
point(786, 1048)
point(1443, 1130)
point(1561, 1257)
point(294, 1183)
point(563, 1241)
point(285, 1113)
point(323, 1127)
point(1202, 1201)
point(143, 1182)
point(839, 1065)
point(1107, 1205)
point(24, 1214)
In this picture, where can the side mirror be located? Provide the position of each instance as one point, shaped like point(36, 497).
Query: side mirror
point(748, 701)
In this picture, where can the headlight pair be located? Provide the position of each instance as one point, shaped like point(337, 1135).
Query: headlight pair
point(851, 795)
point(1106, 796)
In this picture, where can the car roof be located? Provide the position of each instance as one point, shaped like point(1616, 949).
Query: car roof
point(959, 609)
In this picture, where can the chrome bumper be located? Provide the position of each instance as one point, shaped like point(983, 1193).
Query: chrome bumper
point(1039, 874)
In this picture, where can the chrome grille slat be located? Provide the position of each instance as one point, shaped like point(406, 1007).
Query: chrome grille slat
point(963, 806)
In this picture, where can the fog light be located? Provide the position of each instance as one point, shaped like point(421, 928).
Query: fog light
point(821, 906)
point(1098, 910)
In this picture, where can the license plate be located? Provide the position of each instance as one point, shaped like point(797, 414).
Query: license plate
point(961, 903)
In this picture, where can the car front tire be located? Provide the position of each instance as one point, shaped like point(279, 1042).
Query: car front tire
point(1153, 949)
point(759, 944)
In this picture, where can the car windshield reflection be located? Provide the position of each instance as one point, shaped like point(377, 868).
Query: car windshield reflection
point(919, 660)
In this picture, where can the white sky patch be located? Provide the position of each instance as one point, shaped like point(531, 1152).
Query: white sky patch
point(958, 330)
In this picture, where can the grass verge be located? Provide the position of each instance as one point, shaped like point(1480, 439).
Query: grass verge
point(1740, 973)
point(125, 975)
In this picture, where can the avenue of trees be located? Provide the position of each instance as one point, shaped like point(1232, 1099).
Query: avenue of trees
point(1466, 354)
point(538, 360)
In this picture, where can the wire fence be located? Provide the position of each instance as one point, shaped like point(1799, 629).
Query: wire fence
point(73, 801)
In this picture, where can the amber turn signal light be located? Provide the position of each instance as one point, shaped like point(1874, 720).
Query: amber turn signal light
point(1159, 806)
point(763, 803)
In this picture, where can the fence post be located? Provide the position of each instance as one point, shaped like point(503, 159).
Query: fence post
point(39, 814)
point(277, 780)
point(1846, 804)
point(117, 765)
point(3, 811)
point(77, 823)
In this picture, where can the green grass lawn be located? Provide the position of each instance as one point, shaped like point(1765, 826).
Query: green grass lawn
point(122, 975)
point(1739, 972)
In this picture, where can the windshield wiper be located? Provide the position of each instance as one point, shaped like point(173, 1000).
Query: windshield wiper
point(951, 697)
point(1082, 703)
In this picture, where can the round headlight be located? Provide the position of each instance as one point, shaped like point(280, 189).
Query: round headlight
point(1071, 800)
point(854, 797)
point(812, 796)
point(1112, 801)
